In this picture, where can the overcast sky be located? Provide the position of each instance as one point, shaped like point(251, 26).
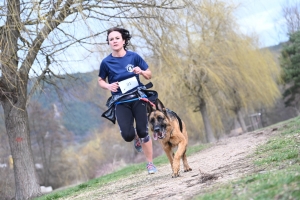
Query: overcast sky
point(263, 17)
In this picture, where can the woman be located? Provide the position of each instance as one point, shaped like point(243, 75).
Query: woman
point(122, 69)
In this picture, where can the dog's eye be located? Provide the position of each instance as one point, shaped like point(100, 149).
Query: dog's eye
point(159, 118)
point(152, 121)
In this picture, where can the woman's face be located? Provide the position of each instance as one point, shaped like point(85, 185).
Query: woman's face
point(116, 41)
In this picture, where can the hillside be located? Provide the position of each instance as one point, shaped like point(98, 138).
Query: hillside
point(77, 102)
point(263, 164)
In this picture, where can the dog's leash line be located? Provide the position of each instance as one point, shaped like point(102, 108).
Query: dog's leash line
point(147, 100)
point(125, 101)
point(135, 99)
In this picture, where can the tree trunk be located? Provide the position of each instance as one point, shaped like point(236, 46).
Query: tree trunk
point(241, 120)
point(16, 123)
point(13, 96)
point(209, 135)
point(297, 110)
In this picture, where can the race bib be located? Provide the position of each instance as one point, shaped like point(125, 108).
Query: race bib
point(128, 84)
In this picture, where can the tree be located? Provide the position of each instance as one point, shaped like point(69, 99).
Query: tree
point(35, 39)
point(291, 14)
point(49, 138)
point(289, 58)
point(210, 65)
point(290, 62)
point(255, 84)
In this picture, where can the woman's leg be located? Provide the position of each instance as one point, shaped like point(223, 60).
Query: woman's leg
point(125, 121)
point(140, 115)
point(148, 150)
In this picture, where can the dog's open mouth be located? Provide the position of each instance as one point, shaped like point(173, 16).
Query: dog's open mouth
point(159, 135)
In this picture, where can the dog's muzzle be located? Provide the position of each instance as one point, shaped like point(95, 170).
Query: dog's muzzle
point(159, 133)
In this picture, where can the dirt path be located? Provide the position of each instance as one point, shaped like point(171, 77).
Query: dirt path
point(226, 160)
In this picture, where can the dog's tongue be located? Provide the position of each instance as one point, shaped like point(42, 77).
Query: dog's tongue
point(155, 136)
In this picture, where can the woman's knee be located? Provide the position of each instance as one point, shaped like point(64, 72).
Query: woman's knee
point(145, 139)
point(128, 136)
point(142, 131)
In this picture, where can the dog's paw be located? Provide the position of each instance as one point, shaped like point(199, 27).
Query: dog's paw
point(175, 175)
point(188, 169)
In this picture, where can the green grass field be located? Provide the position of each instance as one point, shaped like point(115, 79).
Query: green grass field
point(277, 174)
point(278, 170)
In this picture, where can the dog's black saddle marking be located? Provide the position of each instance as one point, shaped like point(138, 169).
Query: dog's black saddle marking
point(172, 113)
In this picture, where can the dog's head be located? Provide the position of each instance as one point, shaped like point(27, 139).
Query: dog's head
point(158, 120)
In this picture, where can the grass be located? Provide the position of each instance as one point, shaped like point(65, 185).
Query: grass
point(281, 184)
point(277, 174)
point(117, 175)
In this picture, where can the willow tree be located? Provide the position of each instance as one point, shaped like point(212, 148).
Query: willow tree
point(255, 82)
point(34, 39)
point(205, 61)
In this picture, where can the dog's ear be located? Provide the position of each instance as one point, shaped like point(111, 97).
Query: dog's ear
point(149, 109)
point(160, 106)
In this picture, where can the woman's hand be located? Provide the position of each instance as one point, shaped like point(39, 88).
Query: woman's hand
point(146, 74)
point(137, 70)
point(113, 87)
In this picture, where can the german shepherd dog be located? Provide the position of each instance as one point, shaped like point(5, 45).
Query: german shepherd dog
point(171, 132)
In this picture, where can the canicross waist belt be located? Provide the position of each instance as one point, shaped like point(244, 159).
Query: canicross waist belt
point(130, 96)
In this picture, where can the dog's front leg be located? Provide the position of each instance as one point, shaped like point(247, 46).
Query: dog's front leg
point(168, 150)
point(176, 162)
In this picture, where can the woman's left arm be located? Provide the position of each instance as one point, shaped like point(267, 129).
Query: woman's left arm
point(147, 74)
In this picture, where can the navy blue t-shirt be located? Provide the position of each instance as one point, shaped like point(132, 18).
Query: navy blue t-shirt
point(120, 68)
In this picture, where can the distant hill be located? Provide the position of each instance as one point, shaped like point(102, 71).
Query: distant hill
point(75, 100)
point(276, 49)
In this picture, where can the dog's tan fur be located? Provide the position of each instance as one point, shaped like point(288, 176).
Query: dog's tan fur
point(174, 137)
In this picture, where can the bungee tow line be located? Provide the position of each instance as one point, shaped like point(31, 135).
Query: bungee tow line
point(135, 99)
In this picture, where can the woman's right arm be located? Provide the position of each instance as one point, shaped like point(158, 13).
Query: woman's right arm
point(111, 87)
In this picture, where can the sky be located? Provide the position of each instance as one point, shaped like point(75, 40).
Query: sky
point(264, 17)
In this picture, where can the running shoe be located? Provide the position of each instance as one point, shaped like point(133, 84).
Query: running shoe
point(151, 168)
